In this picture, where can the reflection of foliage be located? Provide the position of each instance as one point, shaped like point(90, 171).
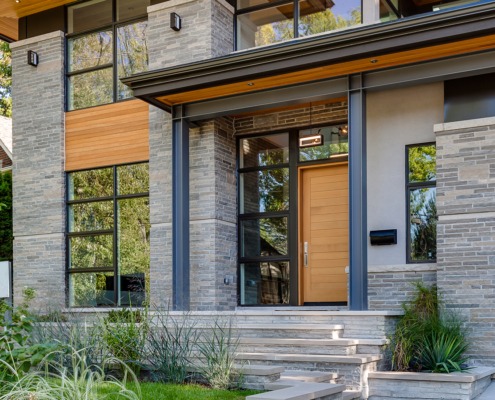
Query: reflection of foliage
point(132, 228)
point(6, 234)
point(422, 163)
point(274, 232)
point(423, 225)
point(5, 79)
point(273, 189)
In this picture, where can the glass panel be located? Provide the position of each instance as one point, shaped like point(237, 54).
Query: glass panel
point(267, 26)
point(90, 50)
point(335, 143)
point(91, 89)
point(422, 163)
point(264, 237)
point(265, 283)
point(91, 290)
point(423, 224)
point(91, 251)
point(134, 250)
point(89, 15)
point(91, 216)
point(389, 10)
point(91, 184)
point(132, 53)
point(327, 15)
point(266, 190)
point(265, 150)
point(133, 179)
point(127, 9)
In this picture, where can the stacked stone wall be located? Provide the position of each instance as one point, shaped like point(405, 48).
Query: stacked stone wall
point(466, 228)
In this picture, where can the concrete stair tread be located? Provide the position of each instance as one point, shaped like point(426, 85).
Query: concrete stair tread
point(344, 359)
point(248, 369)
point(312, 342)
point(307, 376)
point(301, 391)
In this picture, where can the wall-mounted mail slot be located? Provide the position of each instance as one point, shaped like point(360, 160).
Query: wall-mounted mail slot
point(383, 237)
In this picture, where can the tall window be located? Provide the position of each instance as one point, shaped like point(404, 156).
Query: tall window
point(264, 219)
point(421, 201)
point(107, 41)
point(108, 236)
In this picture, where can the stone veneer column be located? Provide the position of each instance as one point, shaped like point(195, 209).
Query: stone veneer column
point(466, 228)
point(38, 172)
point(206, 33)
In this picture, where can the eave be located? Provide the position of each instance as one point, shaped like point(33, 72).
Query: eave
point(402, 42)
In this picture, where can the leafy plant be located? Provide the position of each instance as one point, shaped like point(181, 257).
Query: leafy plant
point(79, 382)
point(218, 347)
point(171, 342)
point(125, 337)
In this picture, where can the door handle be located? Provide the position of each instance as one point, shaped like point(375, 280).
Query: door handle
point(306, 257)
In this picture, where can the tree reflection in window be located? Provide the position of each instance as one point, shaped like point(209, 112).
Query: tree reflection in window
point(421, 180)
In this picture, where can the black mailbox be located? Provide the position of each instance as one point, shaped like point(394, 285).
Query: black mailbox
point(384, 237)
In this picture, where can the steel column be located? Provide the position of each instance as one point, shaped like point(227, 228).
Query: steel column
point(358, 251)
point(180, 210)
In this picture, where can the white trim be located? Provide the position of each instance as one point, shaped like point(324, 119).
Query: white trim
point(470, 123)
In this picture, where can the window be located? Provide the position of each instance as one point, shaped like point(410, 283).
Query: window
point(107, 41)
point(421, 203)
point(261, 22)
point(108, 236)
point(263, 219)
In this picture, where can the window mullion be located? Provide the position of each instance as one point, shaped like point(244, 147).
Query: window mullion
point(296, 18)
point(115, 240)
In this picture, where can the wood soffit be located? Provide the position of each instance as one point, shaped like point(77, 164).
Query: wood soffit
point(10, 12)
point(368, 48)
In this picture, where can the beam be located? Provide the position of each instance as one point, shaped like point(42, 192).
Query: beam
point(180, 210)
point(358, 247)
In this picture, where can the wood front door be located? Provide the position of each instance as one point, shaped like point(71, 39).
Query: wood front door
point(324, 233)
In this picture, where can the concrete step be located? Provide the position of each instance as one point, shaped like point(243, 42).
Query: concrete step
point(290, 330)
point(351, 394)
point(352, 370)
point(291, 378)
point(314, 346)
point(488, 394)
point(303, 391)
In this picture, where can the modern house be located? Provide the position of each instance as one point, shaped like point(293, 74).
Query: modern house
point(218, 154)
point(5, 143)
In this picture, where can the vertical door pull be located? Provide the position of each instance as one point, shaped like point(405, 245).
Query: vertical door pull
point(306, 254)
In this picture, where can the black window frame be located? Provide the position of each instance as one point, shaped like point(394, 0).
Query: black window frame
point(113, 27)
point(409, 187)
point(115, 198)
point(293, 165)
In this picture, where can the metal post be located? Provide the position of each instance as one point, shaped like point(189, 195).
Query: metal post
point(180, 210)
point(358, 251)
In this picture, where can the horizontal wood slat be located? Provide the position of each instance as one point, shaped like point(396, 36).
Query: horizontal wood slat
point(107, 135)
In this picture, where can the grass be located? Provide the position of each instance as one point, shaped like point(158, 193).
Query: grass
point(160, 391)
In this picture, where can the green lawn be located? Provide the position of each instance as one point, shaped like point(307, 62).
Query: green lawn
point(159, 391)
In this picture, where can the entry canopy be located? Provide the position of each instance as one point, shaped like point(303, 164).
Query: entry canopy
point(361, 50)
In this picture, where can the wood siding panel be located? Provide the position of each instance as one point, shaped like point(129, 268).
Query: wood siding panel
point(107, 135)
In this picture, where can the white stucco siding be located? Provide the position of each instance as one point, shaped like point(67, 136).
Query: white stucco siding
point(395, 118)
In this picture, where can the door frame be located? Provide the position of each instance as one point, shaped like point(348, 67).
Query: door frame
point(300, 252)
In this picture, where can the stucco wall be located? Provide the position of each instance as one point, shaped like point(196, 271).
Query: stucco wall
point(395, 118)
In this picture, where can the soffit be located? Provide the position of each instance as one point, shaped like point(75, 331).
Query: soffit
point(11, 11)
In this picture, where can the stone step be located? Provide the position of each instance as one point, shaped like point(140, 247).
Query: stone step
point(291, 330)
point(351, 370)
point(307, 376)
point(314, 346)
point(351, 394)
point(303, 391)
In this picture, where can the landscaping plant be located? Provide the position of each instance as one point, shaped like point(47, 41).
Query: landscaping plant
point(426, 340)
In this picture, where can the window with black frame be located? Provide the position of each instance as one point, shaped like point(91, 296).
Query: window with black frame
point(263, 219)
point(421, 202)
point(106, 41)
point(108, 236)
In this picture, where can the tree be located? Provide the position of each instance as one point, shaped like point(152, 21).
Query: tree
point(5, 80)
point(6, 234)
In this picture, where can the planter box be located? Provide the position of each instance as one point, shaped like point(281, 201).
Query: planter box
point(417, 385)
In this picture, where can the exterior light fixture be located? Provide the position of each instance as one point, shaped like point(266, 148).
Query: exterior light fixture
point(343, 130)
point(32, 58)
point(311, 141)
point(175, 21)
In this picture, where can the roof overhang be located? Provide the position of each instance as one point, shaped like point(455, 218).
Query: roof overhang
point(312, 59)
point(11, 11)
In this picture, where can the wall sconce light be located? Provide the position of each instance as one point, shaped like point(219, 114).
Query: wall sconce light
point(175, 21)
point(343, 130)
point(32, 58)
point(310, 141)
